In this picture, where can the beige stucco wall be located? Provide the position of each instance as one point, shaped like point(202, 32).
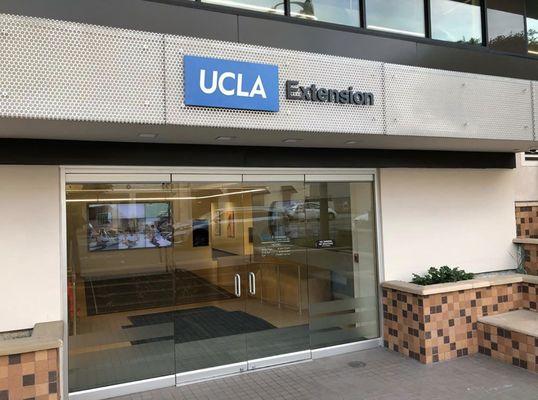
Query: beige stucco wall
point(30, 288)
point(435, 217)
point(526, 181)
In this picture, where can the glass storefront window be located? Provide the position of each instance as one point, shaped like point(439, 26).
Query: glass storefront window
point(506, 26)
point(532, 26)
point(175, 277)
point(398, 16)
point(269, 6)
point(120, 241)
point(457, 21)
point(344, 12)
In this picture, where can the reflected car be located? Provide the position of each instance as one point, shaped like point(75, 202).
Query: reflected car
point(309, 210)
point(364, 217)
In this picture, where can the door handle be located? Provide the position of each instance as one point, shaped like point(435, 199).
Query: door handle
point(237, 281)
point(252, 283)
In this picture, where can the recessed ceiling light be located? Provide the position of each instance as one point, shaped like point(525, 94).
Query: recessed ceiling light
point(225, 138)
point(352, 142)
point(291, 140)
point(148, 135)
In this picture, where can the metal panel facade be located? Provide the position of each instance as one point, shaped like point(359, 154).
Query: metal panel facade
point(535, 106)
point(428, 102)
point(68, 71)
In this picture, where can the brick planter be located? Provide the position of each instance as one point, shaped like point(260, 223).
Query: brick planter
point(530, 248)
point(29, 366)
point(440, 322)
point(527, 220)
point(32, 375)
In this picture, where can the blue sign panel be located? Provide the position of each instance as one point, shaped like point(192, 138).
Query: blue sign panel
point(212, 82)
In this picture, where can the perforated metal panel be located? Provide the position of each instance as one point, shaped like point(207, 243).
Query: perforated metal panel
point(61, 70)
point(325, 71)
point(535, 106)
point(427, 102)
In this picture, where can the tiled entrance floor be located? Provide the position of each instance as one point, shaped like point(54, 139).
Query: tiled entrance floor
point(374, 374)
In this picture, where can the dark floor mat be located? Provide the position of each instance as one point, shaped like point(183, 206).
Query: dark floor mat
point(201, 323)
point(106, 296)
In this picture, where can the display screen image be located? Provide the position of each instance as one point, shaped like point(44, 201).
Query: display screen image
point(124, 226)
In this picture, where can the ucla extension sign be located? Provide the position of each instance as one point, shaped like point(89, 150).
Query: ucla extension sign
point(213, 82)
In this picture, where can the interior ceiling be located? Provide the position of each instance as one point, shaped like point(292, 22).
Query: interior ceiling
point(14, 128)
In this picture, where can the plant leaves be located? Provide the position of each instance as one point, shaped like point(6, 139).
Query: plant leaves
point(443, 274)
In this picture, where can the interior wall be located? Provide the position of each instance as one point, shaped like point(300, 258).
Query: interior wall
point(230, 238)
point(30, 290)
point(186, 256)
point(434, 217)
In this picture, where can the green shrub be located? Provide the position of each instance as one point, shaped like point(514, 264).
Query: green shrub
point(442, 275)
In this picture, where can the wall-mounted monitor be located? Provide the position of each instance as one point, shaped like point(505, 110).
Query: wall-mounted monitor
point(125, 226)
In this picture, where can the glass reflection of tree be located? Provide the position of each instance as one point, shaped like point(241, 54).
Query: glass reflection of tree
point(533, 39)
point(307, 7)
point(509, 42)
point(474, 41)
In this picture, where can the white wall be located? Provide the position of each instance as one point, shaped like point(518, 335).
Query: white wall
point(527, 181)
point(435, 217)
point(29, 246)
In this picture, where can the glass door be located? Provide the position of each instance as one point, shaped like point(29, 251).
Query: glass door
point(205, 275)
point(120, 284)
point(341, 257)
point(276, 274)
point(210, 256)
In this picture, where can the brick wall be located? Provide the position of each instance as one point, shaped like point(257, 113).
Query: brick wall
point(527, 220)
point(30, 376)
point(510, 347)
point(444, 326)
point(531, 258)
point(527, 228)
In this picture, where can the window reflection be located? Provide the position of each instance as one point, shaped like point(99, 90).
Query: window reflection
point(270, 6)
point(398, 16)
point(457, 21)
point(532, 26)
point(344, 12)
point(506, 25)
point(342, 264)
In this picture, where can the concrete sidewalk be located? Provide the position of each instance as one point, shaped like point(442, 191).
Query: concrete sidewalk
point(374, 374)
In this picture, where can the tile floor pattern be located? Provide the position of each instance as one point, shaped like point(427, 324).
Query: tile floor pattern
point(373, 374)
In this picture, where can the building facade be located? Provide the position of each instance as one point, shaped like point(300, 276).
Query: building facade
point(200, 188)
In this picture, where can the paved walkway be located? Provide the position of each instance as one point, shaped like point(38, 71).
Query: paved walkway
point(373, 375)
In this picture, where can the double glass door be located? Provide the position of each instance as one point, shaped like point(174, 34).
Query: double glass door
point(196, 276)
point(245, 246)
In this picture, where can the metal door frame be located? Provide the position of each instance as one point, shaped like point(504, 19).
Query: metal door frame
point(97, 174)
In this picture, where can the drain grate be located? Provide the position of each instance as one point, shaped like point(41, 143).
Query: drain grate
point(357, 364)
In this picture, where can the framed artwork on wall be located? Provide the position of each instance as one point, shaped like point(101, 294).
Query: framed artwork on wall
point(230, 224)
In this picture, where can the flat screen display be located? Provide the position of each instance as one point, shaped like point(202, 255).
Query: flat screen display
point(125, 226)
